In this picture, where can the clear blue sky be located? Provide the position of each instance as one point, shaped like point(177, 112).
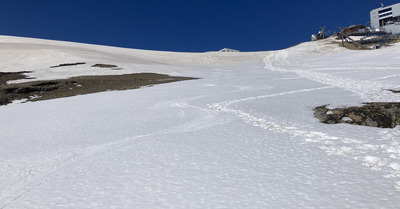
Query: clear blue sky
point(181, 25)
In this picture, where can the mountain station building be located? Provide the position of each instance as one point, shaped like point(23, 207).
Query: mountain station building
point(387, 18)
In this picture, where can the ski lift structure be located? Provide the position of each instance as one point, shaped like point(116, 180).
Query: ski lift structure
point(383, 27)
point(322, 34)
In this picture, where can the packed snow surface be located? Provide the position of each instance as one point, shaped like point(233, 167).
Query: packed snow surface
point(242, 136)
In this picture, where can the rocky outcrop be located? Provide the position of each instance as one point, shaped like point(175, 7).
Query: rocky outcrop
point(8, 76)
point(380, 114)
point(44, 90)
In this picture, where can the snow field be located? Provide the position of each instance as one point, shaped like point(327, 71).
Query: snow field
point(242, 136)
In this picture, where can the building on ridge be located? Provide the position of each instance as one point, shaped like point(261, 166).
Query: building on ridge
point(387, 18)
point(228, 50)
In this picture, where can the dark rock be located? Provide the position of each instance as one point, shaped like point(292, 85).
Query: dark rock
point(8, 76)
point(394, 91)
point(381, 114)
point(49, 83)
point(104, 66)
point(44, 90)
point(68, 64)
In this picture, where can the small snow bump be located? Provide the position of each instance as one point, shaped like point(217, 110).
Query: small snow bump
point(397, 185)
point(329, 143)
point(290, 128)
point(395, 166)
point(347, 150)
point(311, 140)
point(373, 163)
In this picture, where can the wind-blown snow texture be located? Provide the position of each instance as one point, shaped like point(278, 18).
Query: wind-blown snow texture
point(243, 136)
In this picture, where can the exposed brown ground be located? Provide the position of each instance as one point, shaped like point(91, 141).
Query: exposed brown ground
point(351, 46)
point(44, 90)
point(5, 76)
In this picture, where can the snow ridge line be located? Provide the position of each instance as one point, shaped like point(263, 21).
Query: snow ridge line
point(357, 149)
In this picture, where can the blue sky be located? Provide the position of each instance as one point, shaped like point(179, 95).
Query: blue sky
point(181, 25)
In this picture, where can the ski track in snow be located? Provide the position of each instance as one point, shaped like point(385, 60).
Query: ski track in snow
point(386, 77)
point(354, 148)
point(370, 90)
point(32, 175)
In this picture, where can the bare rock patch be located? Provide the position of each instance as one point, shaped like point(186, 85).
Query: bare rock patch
point(8, 76)
point(105, 66)
point(68, 64)
point(379, 114)
point(45, 90)
point(394, 91)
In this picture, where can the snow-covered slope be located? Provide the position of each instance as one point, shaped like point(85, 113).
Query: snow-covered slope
point(365, 73)
point(25, 54)
point(242, 136)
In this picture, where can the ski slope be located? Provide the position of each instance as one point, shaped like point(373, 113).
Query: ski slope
point(242, 136)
